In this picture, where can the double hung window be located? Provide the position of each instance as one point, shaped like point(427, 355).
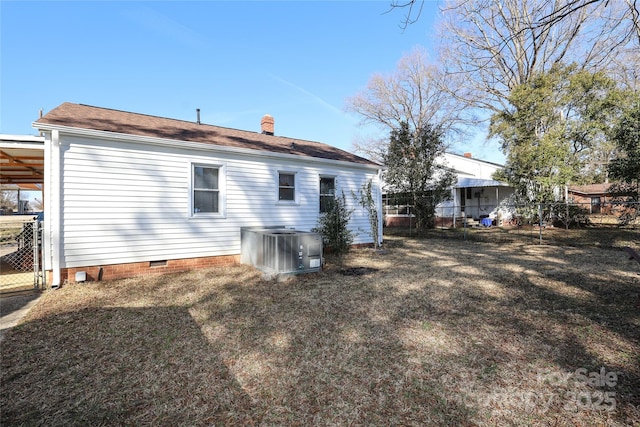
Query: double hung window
point(206, 195)
point(286, 186)
point(327, 193)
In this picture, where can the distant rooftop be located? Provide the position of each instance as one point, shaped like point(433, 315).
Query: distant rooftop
point(590, 189)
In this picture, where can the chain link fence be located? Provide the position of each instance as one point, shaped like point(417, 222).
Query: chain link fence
point(20, 253)
point(563, 223)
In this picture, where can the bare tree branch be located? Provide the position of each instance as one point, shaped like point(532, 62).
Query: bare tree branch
point(634, 9)
point(410, 4)
point(500, 45)
point(559, 14)
point(414, 94)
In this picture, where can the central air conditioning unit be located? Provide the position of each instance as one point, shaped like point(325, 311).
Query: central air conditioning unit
point(278, 250)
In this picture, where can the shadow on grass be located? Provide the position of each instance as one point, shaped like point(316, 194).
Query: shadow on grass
point(569, 307)
point(439, 333)
point(113, 366)
point(320, 354)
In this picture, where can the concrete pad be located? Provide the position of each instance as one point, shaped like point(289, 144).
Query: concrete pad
point(13, 307)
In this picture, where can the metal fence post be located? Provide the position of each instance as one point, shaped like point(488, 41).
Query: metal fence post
point(540, 221)
point(36, 257)
point(465, 227)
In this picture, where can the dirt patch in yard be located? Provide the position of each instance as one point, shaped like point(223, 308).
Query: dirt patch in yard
point(357, 271)
point(438, 332)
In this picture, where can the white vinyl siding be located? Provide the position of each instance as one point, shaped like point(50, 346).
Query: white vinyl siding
point(130, 202)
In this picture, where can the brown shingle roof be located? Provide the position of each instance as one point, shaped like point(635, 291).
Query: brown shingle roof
point(104, 119)
point(590, 189)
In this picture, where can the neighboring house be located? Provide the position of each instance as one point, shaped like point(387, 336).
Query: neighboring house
point(593, 197)
point(475, 195)
point(129, 193)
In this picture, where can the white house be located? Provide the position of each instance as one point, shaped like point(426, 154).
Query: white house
point(475, 195)
point(129, 193)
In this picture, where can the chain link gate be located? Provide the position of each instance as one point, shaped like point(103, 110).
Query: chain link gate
point(21, 254)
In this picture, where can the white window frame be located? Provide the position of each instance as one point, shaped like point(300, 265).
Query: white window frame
point(222, 190)
point(295, 187)
point(335, 187)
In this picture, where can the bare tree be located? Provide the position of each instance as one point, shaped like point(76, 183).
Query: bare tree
point(625, 69)
point(500, 45)
point(634, 14)
point(8, 198)
point(631, 15)
point(414, 94)
point(414, 10)
point(38, 205)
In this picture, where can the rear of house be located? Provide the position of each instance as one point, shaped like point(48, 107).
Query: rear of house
point(128, 193)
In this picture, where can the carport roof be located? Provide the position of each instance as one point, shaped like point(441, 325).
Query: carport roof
point(22, 160)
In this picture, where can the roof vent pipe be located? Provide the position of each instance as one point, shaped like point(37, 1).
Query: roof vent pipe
point(198, 114)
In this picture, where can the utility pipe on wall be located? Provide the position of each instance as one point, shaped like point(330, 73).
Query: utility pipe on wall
point(55, 204)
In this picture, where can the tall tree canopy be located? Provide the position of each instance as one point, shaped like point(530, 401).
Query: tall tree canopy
point(491, 48)
point(415, 173)
point(625, 169)
point(558, 130)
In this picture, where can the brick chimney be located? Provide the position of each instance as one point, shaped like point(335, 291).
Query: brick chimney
point(267, 124)
point(467, 155)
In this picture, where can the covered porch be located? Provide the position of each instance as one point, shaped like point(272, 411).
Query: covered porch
point(475, 199)
point(481, 198)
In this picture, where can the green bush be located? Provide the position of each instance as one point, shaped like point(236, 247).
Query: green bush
point(333, 226)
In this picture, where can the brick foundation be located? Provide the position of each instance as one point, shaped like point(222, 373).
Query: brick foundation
point(121, 271)
point(406, 222)
point(399, 221)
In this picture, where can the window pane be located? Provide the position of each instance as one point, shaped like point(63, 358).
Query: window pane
point(287, 194)
point(286, 186)
point(205, 201)
point(327, 186)
point(205, 178)
point(286, 180)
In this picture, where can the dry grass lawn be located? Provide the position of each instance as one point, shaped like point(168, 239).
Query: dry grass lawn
point(433, 332)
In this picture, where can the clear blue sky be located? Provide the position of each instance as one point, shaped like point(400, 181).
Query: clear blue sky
point(236, 61)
